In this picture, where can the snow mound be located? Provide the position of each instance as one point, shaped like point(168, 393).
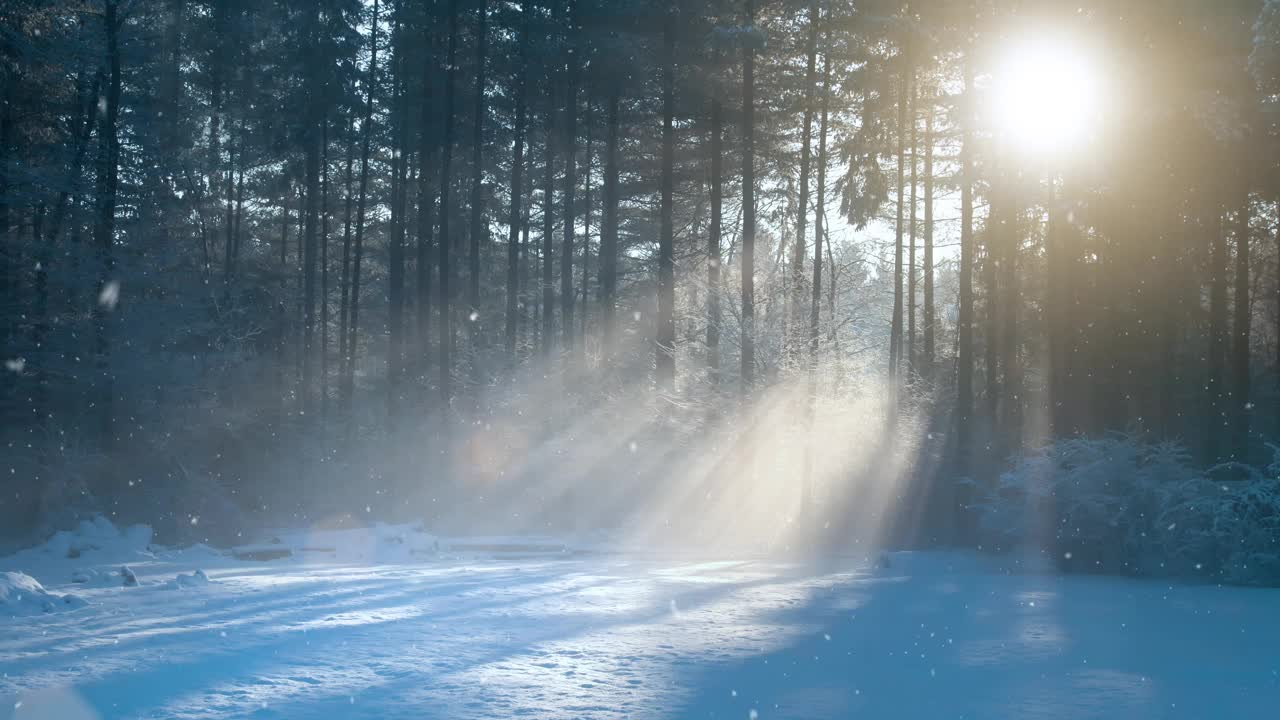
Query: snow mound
point(21, 595)
point(90, 577)
point(96, 539)
point(189, 580)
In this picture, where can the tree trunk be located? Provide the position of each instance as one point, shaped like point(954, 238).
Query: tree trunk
point(895, 326)
point(228, 239)
point(1217, 341)
point(609, 231)
point(324, 266)
point(796, 300)
point(311, 149)
point(991, 305)
point(964, 323)
point(927, 352)
point(477, 231)
point(913, 118)
point(108, 169)
point(527, 302)
point(819, 219)
point(217, 81)
point(717, 210)
point(396, 254)
point(588, 163)
point(8, 285)
point(344, 278)
point(1011, 241)
point(548, 227)
point(665, 335)
point(748, 205)
point(446, 239)
point(1056, 311)
point(570, 176)
point(366, 131)
point(517, 177)
point(1241, 408)
point(426, 197)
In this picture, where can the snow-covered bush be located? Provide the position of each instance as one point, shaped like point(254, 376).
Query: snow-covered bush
point(1117, 504)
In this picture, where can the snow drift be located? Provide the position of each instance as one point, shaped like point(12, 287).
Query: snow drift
point(22, 595)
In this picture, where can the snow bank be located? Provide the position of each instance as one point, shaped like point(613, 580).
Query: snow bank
point(95, 540)
point(22, 595)
point(380, 543)
point(94, 554)
point(92, 577)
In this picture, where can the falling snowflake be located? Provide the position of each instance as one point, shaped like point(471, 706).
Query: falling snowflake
point(16, 364)
point(110, 295)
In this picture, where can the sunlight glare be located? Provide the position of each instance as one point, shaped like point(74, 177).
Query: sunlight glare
point(1046, 95)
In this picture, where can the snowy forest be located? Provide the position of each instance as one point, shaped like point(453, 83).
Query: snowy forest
point(981, 295)
point(774, 272)
point(567, 264)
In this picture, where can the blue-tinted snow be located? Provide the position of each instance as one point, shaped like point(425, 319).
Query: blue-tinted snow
point(614, 635)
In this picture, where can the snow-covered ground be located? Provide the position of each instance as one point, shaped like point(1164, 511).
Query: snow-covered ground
point(393, 623)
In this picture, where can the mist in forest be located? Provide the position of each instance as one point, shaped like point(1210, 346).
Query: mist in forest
point(775, 276)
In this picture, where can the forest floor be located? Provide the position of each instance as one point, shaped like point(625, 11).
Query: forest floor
point(392, 623)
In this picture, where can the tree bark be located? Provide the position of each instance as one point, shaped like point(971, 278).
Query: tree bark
point(991, 305)
point(895, 325)
point(609, 231)
point(796, 300)
point(8, 285)
point(1011, 241)
point(446, 241)
point(717, 210)
point(1217, 341)
point(311, 150)
point(344, 277)
point(964, 322)
point(927, 352)
point(477, 231)
point(819, 220)
point(324, 265)
point(567, 293)
point(517, 177)
point(548, 227)
point(913, 118)
point(1242, 319)
point(665, 335)
point(748, 206)
point(396, 232)
point(366, 131)
point(426, 196)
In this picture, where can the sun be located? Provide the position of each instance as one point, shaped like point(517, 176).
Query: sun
point(1046, 93)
